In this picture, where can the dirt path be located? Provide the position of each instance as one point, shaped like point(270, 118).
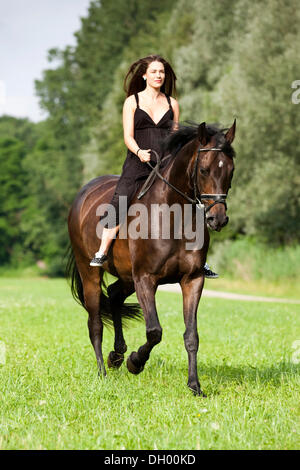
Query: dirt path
point(231, 295)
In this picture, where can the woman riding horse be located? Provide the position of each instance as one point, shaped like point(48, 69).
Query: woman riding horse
point(150, 113)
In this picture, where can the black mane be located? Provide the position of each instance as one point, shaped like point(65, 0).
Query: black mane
point(185, 134)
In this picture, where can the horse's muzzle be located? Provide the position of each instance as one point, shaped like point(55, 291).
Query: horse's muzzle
point(217, 222)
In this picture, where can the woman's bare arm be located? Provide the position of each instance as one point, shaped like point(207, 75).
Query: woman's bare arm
point(175, 107)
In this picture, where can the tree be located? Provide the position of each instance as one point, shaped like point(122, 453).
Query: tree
point(12, 187)
point(54, 181)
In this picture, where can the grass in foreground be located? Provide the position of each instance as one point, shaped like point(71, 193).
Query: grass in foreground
point(52, 398)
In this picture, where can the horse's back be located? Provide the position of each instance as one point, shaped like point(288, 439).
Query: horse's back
point(83, 217)
point(95, 192)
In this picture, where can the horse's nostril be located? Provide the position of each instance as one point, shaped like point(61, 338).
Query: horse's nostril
point(225, 222)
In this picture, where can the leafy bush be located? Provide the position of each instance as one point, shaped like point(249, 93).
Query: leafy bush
point(249, 259)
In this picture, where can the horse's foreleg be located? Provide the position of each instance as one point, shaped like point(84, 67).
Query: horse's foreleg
point(191, 290)
point(145, 291)
point(117, 297)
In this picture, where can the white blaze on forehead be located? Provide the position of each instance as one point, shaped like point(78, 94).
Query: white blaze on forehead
point(221, 163)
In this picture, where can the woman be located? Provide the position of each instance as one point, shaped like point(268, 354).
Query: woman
point(149, 114)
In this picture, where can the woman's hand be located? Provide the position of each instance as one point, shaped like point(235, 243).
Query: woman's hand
point(144, 155)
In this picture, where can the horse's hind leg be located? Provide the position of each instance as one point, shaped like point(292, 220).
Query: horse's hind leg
point(92, 293)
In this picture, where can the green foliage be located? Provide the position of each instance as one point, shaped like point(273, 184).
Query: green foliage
point(257, 90)
point(52, 186)
point(248, 259)
point(21, 129)
point(38, 182)
point(12, 182)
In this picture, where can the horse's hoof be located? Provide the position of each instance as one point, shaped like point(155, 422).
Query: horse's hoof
point(115, 359)
point(197, 390)
point(131, 366)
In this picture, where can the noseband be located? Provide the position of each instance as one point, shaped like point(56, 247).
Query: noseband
point(198, 197)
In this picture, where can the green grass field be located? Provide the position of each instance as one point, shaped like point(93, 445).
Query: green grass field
point(52, 398)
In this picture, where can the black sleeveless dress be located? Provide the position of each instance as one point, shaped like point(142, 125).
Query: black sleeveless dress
point(147, 135)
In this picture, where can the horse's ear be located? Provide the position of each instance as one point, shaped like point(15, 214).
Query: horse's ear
point(202, 134)
point(229, 137)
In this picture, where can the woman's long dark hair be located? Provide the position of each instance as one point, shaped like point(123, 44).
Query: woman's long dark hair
point(138, 69)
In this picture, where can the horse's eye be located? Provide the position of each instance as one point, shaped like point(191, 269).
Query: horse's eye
point(204, 172)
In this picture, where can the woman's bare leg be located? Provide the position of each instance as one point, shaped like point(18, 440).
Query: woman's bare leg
point(108, 235)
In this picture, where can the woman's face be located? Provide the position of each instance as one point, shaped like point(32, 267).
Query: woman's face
point(155, 74)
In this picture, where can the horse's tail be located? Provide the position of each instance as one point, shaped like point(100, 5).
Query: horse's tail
point(110, 294)
point(112, 297)
point(72, 273)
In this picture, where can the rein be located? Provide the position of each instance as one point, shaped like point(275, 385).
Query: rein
point(198, 197)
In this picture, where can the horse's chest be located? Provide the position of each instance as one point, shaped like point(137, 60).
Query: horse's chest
point(168, 263)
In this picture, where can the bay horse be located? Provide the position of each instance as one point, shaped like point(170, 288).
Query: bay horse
point(199, 170)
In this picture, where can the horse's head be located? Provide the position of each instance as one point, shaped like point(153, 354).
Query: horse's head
point(213, 172)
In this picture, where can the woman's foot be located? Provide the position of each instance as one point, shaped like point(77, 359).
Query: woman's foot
point(99, 259)
point(209, 273)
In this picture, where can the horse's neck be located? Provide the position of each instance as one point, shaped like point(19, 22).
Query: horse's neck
point(178, 172)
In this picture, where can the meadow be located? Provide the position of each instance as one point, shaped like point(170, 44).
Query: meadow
point(52, 397)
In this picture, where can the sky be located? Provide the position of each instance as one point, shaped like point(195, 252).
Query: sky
point(28, 29)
